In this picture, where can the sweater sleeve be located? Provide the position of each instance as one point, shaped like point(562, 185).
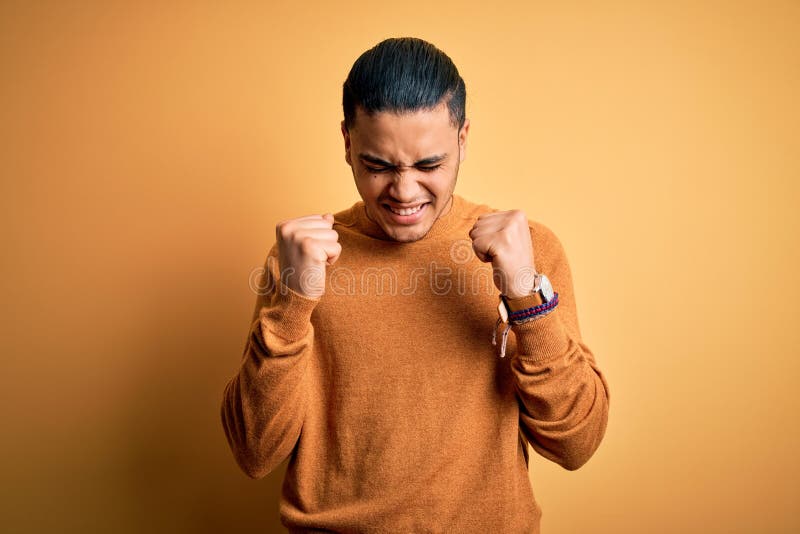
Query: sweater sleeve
point(263, 405)
point(563, 395)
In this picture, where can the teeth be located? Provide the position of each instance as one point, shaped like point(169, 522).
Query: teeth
point(406, 211)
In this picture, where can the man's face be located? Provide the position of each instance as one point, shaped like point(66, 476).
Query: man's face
point(405, 167)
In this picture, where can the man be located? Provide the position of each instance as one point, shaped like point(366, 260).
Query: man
point(404, 351)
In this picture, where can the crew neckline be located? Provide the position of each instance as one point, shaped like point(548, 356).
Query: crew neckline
point(439, 227)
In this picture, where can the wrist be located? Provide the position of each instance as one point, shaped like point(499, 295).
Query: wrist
point(540, 300)
point(524, 302)
point(523, 284)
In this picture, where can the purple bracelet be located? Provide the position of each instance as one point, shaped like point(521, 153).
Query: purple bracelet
point(541, 309)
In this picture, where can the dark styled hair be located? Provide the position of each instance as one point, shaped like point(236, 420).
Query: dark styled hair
point(403, 74)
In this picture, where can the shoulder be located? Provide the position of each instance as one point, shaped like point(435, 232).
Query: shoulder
point(548, 251)
point(469, 210)
point(540, 231)
point(543, 235)
point(347, 216)
point(344, 217)
point(547, 247)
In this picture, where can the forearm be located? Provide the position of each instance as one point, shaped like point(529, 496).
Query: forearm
point(563, 395)
point(264, 404)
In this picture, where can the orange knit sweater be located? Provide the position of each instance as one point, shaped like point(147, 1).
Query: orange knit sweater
point(387, 395)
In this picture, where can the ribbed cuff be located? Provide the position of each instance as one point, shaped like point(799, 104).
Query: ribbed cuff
point(541, 339)
point(289, 314)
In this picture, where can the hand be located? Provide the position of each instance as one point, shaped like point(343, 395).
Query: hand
point(504, 239)
point(305, 246)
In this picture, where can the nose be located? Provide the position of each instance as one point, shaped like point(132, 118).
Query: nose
point(404, 187)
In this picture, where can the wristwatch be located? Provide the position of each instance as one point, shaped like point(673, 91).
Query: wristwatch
point(542, 293)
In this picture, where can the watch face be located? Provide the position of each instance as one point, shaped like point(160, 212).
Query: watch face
point(547, 289)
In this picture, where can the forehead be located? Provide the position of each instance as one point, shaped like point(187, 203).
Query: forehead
point(414, 134)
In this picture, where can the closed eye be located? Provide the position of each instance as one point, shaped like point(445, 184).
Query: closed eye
point(376, 169)
point(426, 168)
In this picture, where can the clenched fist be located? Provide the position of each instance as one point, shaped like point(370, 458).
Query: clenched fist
point(504, 239)
point(305, 246)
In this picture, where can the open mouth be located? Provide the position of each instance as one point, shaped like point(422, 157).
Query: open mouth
point(406, 215)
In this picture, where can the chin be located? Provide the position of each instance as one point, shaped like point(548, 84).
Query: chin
point(405, 235)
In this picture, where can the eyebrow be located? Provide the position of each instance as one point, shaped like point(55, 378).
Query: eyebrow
point(430, 160)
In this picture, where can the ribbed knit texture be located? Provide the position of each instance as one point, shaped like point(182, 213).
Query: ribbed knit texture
point(396, 411)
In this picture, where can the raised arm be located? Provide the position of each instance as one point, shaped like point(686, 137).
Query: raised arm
point(264, 404)
point(563, 394)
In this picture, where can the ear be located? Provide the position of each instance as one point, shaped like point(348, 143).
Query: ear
point(462, 141)
point(346, 136)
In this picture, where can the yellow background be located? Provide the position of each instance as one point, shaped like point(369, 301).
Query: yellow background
point(148, 151)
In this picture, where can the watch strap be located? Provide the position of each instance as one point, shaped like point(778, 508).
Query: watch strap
point(523, 303)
